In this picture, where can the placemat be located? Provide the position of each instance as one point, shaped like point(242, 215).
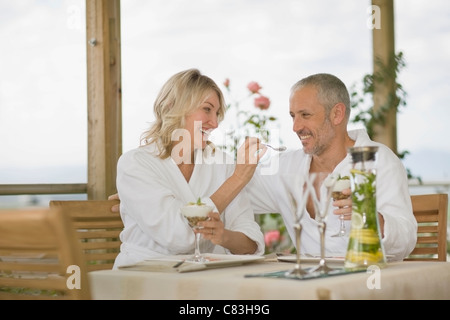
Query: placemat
point(312, 275)
point(181, 263)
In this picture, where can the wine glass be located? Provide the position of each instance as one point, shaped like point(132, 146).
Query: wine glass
point(195, 213)
point(341, 184)
point(320, 186)
point(298, 211)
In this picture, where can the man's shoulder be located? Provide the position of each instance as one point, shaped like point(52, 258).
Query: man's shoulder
point(383, 150)
point(363, 140)
point(280, 163)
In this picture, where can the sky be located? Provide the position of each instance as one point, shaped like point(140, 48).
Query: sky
point(43, 101)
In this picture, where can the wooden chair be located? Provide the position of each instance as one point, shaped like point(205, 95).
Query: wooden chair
point(96, 227)
point(430, 211)
point(40, 258)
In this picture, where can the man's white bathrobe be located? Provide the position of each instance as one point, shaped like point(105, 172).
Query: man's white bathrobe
point(152, 192)
point(267, 191)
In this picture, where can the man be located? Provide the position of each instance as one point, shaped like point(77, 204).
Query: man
point(320, 109)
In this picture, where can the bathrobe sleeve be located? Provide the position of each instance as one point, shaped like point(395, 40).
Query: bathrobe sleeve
point(394, 203)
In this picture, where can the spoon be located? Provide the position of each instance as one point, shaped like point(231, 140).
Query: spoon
point(280, 148)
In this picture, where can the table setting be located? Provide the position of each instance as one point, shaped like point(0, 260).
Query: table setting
point(365, 272)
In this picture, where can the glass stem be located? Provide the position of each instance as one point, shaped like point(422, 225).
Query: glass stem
point(197, 245)
point(298, 230)
point(322, 227)
point(342, 223)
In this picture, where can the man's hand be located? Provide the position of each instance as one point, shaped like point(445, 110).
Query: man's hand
point(344, 206)
point(116, 207)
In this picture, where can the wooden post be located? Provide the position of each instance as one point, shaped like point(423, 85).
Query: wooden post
point(104, 96)
point(383, 55)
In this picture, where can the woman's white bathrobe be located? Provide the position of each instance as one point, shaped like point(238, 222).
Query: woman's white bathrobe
point(152, 192)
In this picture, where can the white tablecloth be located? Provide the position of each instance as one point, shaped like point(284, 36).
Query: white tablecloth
point(400, 280)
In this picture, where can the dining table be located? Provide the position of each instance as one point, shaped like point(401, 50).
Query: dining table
point(264, 278)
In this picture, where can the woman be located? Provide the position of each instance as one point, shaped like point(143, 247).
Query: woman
point(176, 164)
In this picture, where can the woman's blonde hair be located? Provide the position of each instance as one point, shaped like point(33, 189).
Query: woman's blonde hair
point(181, 95)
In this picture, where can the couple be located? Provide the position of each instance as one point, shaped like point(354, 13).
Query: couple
point(155, 180)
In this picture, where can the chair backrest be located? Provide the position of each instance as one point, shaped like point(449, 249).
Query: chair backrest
point(431, 212)
point(40, 258)
point(97, 228)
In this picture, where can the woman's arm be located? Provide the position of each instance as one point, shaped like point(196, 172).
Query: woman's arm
point(235, 241)
point(246, 163)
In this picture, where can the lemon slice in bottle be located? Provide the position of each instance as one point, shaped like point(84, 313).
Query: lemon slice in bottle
point(357, 220)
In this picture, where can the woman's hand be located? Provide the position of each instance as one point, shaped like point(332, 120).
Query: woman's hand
point(213, 228)
point(248, 156)
point(235, 241)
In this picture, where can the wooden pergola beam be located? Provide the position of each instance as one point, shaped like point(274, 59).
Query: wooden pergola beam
point(383, 53)
point(104, 96)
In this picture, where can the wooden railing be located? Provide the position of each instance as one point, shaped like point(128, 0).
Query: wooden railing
point(80, 188)
point(20, 189)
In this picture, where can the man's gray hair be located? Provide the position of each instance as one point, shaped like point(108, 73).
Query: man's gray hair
point(330, 90)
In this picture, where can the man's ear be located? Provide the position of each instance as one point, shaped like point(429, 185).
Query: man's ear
point(338, 113)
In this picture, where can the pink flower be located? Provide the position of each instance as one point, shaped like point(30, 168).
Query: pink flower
point(254, 87)
point(226, 83)
point(262, 102)
point(271, 237)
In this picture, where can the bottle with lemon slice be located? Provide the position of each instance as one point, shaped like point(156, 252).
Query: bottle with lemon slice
point(365, 247)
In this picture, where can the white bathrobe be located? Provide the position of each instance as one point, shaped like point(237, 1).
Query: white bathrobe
point(267, 192)
point(152, 192)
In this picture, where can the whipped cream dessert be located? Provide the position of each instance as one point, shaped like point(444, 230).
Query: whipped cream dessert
point(341, 184)
point(196, 212)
